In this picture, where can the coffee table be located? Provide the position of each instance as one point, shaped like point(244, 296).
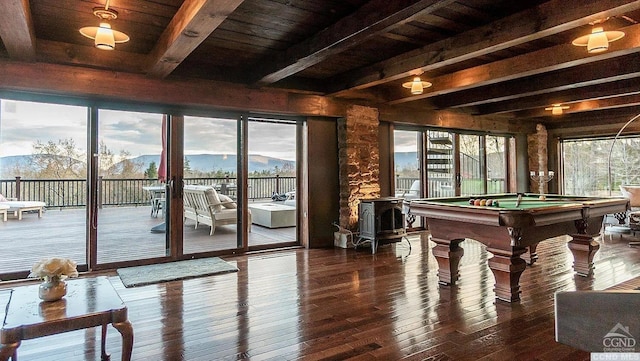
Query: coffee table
point(273, 215)
point(89, 302)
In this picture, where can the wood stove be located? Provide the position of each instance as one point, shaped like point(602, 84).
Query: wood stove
point(381, 220)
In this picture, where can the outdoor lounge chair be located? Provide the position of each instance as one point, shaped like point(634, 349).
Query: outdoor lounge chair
point(203, 204)
point(18, 207)
point(3, 211)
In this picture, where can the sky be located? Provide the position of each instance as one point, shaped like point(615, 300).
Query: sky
point(24, 123)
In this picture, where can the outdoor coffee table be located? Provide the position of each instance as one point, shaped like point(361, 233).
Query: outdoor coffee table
point(89, 302)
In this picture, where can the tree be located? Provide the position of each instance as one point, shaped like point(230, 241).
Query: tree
point(152, 171)
point(58, 160)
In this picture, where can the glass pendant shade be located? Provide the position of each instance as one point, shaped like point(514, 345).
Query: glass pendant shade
point(104, 37)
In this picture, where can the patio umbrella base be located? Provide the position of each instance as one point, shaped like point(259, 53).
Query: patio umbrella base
point(160, 228)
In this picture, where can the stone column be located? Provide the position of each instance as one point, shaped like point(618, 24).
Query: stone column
point(538, 156)
point(359, 161)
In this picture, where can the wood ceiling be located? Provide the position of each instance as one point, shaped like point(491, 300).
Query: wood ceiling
point(489, 59)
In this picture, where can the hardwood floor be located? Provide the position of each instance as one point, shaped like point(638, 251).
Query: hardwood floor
point(336, 304)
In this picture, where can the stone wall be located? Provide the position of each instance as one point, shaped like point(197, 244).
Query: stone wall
point(538, 156)
point(359, 157)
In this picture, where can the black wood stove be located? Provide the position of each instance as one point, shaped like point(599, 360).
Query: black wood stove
point(381, 220)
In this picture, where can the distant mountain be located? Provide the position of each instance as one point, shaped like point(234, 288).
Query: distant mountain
point(199, 162)
point(223, 162)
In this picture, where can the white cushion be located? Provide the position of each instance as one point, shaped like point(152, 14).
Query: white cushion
point(633, 193)
point(227, 202)
point(24, 204)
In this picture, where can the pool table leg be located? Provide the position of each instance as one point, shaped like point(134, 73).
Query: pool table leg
point(583, 247)
point(448, 254)
point(507, 267)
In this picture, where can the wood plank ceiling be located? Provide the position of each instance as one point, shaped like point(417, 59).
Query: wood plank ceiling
point(497, 59)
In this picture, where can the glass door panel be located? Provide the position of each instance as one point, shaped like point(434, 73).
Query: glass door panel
point(496, 164)
point(131, 195)
point(406, 145)
point(440, 164)
point(43, 166)
point(272, 181)
point(471, 165)
point(210, 181)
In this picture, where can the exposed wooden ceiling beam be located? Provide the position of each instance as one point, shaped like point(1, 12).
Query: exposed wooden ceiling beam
point(606, 119)
point(374, 18)
point(581, 76)
point(549, 59)
point(632, 100)
point(66, 53)
point(16, 29)
point(550, 18)
point(613, 89)
point(192, 24)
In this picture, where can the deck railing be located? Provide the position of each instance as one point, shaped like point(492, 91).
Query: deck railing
point(63, 193)
point(440, 188)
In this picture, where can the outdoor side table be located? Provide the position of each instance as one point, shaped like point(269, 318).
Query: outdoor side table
point(89, 302)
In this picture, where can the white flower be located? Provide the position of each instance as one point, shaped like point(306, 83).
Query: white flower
point(54, 267)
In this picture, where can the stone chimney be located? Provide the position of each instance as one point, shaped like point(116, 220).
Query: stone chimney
point(359, 157)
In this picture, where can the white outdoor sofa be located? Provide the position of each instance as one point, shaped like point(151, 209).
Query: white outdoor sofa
point(203, 204)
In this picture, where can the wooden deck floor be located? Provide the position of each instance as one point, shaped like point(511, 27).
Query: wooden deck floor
point(123, 235)
point(336, 304)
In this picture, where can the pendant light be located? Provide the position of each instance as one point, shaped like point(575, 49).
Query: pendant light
point(598, 41)
point(557, 109)
point(416, 85)
point(104, 37)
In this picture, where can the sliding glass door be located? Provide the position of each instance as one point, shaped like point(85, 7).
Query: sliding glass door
point(43, 169)
point(211, 204)
point(272, 173)
point(131, 189)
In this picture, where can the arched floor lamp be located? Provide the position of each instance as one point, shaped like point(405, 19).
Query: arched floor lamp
point(609, 163)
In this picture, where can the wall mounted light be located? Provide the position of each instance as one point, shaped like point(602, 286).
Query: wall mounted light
point(557, 109)
point(416, 85)
point(598, 41)
point(105, 37)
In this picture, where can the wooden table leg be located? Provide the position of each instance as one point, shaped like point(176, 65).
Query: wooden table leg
point(103, 343)
point(507, 269)
point(448, 255)
point(9, 350)
point(583, 247)
point(126, 330)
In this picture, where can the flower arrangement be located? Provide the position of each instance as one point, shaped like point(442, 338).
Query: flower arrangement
point(54, 269)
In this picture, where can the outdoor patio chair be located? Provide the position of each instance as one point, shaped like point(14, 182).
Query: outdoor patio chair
point(412, 193)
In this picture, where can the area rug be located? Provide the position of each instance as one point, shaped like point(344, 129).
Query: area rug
point(164, 272)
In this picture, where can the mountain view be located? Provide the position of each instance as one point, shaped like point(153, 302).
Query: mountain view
point(198, 162)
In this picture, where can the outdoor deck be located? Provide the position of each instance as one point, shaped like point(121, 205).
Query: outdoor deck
point(123, 234)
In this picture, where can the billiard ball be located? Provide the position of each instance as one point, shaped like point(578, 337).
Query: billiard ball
point(496, 203)
point(471, 201)
point(489, 202)
point(476, 202)
point(483, 202)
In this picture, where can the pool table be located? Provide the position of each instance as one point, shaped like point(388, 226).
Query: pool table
point(511, 233)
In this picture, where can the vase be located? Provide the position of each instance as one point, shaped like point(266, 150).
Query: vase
point(52, 289)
